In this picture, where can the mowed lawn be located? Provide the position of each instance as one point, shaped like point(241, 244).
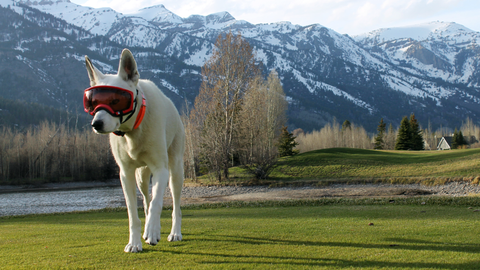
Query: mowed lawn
point(333, 236)
point(359, 164)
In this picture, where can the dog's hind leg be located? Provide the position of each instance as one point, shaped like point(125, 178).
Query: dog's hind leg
point(175, 154)
point(127, 177)
point(143, 175)
point(152, 222)
point(176, 183)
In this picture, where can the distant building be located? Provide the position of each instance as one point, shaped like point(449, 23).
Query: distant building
point(445, 143)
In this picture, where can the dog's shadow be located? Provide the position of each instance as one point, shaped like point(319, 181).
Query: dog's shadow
point(212, 255)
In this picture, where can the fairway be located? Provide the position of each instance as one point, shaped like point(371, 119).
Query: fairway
point(333, 236)
point(344, 164)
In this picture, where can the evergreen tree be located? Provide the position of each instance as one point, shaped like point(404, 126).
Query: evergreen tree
point(458, 140)
point(416, 137)
point(455, 139)
point(404, 137)
point(379, 139)
point(287, 143)
point(462, 139)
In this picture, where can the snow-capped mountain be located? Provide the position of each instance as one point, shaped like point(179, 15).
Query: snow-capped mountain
point(97, 21)
point(431, 70)
point(435, 49)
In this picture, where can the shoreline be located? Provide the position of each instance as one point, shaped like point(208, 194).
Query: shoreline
point(58, 186)
point(458, 188)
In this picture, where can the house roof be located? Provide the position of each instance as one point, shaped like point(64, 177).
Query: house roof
point(447, 139)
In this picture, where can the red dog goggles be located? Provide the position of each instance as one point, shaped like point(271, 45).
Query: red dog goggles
point(117, 101)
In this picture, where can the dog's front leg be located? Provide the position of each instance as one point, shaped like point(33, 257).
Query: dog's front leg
point(127, 178)
point(152, 222)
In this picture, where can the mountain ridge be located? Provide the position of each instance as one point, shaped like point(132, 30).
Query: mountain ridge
point(325, 74)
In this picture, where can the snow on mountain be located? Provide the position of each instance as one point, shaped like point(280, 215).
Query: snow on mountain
point(219, 20)
point(158, 14)
point(96, 20)
point(200, 56)
point(315, 86)
point(100, 20)
point(420, 32)
point(399, 41)
point(437, 49)
point(384, 73)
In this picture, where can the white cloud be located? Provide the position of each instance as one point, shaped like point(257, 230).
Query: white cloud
point(344, 16)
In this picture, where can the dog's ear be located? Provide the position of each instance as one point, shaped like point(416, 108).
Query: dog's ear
point(127, 69)
point(93, 73)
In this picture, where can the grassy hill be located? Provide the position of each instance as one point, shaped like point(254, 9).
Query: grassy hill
point(340, 165)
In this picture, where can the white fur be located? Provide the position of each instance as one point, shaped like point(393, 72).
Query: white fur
point(154, 150)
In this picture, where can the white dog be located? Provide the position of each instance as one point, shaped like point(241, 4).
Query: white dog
point(147, 140)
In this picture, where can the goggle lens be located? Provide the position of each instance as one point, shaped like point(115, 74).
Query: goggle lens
point(117, 101)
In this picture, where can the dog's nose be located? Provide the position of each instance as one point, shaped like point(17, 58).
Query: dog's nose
point(97, 125)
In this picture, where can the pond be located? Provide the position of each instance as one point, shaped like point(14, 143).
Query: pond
point(42, 202)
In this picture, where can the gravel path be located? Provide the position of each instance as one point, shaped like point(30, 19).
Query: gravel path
point(220, 194)
point(454, 189)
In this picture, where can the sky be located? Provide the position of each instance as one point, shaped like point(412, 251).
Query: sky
point(352, 17)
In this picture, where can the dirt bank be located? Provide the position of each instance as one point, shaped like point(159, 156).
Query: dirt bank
point(194, 195)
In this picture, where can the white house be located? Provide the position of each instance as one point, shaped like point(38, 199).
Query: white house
point(445, 143)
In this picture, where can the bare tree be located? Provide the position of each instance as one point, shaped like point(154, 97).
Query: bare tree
point(262, 116)
point(253, 121)
point(390, 138)
point(227, 76)
point(276, 109)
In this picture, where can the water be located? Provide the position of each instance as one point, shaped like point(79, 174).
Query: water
point(60, 201)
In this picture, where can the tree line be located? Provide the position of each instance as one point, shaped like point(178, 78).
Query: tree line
point(408, 136)
point(333, 135)
point(52, 153)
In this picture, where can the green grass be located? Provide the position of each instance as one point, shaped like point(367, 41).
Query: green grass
point(362, 164)
point(338, 165)
point(322, 234)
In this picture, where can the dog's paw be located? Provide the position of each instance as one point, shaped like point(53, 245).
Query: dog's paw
point(152, 234)
point(174, 237)
point(133, 248)
point(151, 240)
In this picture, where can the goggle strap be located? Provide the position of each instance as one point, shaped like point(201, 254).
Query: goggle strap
point(140, 116)
point(132, 113)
